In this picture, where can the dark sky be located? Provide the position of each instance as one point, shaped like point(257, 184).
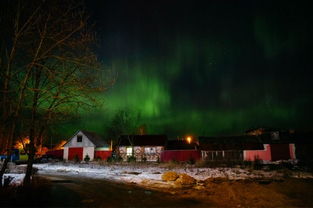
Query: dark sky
point(206, 67)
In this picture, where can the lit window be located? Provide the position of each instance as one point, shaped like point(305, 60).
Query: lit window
point(150, 150)
point(129, 151)
point(79, 138)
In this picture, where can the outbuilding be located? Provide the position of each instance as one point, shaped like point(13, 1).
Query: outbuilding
point(85, 143)
point(181, 150)
point(142, 147)
point(265, 146)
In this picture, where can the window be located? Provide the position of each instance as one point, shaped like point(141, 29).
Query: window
point(150, 150)
point(129, 151)
point(79, 138)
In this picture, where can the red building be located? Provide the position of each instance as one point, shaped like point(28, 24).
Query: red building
point(180, 150)
point(85, 143)
point(265, 145)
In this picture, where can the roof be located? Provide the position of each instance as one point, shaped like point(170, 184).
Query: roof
point(94, 138)
point(260, 130)
point(244, 142)
point(254, 142)
point(180, 145)
point(142, 140)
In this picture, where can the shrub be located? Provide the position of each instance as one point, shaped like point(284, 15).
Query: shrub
point(114, 158)
point(87, 158)
point(110, 159)
point(98, 158)
point(201, 163)
point(131, 159)
point(191, 161)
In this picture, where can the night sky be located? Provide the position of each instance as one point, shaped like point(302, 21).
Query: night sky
point(205, 67)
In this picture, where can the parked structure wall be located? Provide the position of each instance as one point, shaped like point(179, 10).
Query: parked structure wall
point(148, 153)
point(180, 155)
point(252, 155)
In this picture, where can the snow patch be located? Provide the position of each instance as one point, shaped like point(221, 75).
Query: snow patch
point(142, 174)
point(13, 179)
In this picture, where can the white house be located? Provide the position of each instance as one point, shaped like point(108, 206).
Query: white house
point(85, 143)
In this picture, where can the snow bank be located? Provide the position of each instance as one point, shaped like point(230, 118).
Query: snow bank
point(138, 174)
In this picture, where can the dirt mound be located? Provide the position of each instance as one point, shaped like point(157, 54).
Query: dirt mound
point(185, 179)
point(169, 176)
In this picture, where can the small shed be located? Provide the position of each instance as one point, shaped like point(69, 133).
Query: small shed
point(180, 150)
point(142, 147)
point(85, 143)
point(265, 146)
point(228, 147)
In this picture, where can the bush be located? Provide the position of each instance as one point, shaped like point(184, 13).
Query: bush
point(131, 159)
point(114, 158)
point(191, 161)
point(144, 159)
point(87, 158)
point(98, 159)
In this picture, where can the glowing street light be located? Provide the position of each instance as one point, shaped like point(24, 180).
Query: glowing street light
point(189, 139)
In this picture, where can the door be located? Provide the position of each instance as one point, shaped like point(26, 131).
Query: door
point(75, 152)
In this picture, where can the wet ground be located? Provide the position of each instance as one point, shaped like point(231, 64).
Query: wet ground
point(59, 191)
point(65, 191)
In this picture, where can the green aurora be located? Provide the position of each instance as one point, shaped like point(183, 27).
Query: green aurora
point(214, 73)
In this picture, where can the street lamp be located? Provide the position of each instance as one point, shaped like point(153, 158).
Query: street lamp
point(189, 139)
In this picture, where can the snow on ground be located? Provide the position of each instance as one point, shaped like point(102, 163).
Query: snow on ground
point(140, 173)
point(14, 179)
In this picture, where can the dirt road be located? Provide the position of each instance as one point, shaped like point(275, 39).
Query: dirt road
point(61, 191)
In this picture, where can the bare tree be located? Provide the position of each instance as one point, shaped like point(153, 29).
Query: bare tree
point(52, 70)
point(124, 122)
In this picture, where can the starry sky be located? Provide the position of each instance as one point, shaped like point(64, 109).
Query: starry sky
point(204, 67)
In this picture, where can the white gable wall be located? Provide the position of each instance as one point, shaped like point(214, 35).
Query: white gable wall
point(90, 151)
point(65, 153)
point(86, 144)
point(85, 141)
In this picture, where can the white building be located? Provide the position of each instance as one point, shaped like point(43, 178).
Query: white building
point(85, 143)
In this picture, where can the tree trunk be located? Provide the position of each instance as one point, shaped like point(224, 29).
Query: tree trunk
point(32, 131)
point(30, 162)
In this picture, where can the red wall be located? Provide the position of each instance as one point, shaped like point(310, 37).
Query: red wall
point(75, 151)
point(56, 153)
point(292, 151)
point(265, 154)
point(280, 151)
point(103, 154)
point(180, 155)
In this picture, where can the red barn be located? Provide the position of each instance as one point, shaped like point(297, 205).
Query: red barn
point(85, 143)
